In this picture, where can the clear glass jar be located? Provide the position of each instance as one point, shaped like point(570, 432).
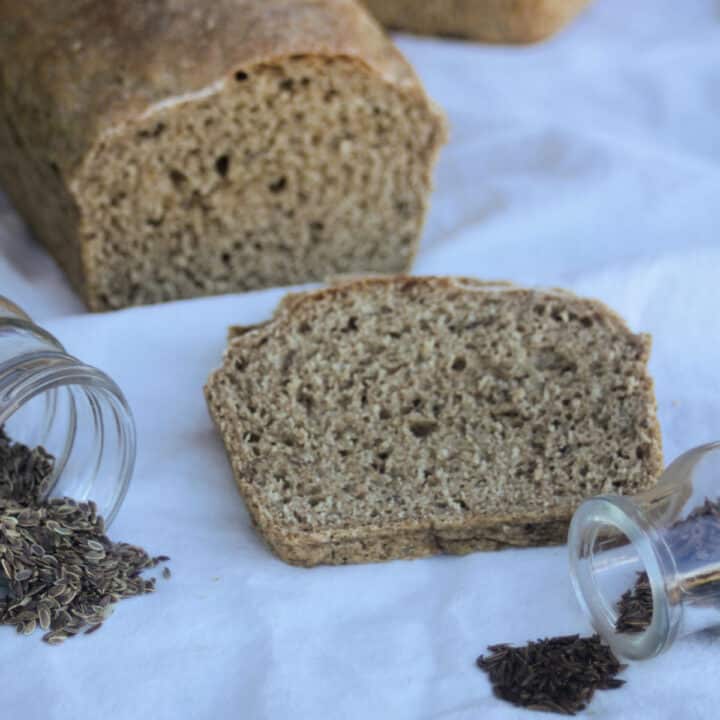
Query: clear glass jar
point(77, 413)
point(667, 538)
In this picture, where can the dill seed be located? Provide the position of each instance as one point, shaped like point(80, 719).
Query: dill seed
point(63, 574)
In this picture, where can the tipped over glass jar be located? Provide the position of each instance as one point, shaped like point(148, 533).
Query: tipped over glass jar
point(646, 569)
point(74, 411)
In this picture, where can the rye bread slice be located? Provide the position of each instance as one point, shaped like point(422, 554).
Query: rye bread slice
point(401, 417)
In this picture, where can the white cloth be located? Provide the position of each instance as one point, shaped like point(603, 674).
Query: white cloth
point(591, 162)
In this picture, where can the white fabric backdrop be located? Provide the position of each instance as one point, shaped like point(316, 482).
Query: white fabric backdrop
point(591, 162)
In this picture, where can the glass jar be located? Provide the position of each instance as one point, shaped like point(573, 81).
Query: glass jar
point(77, 413)
point(646, 569)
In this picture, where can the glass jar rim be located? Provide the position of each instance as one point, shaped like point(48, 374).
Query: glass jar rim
point(620, 514)
point(66, 371)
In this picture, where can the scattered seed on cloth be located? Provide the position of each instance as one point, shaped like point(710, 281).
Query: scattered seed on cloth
point(558, 674)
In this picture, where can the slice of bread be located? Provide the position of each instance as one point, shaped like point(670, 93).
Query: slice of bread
point(495, 21)
point(405, 416)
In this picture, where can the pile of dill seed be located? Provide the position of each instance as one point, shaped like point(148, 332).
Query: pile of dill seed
point(62, 572)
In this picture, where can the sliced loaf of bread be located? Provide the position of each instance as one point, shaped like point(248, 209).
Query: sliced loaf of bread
point(404, 416)
point(495, 21)
point(177, 148)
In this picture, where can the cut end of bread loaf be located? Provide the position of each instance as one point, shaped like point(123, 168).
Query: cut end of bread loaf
point(285, 172)
point(401, 417)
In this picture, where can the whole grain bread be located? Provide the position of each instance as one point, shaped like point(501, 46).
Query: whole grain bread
point(176, 148)
point(401, 417)
point(494, 21)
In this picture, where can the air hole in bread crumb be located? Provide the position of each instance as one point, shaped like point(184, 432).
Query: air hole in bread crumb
point(459, 364)
point(287, 361)
point(177, 178)
point(306, 401)
point(278, 186)
point(384, 414)
point(241, 76)
point(222, 165)
point(287, 85)
point(304, 327)
point(351, 325)
point(423, 428)
point(158, 130)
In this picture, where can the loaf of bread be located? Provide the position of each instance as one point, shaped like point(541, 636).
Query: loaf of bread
point(399, 417)
point(176, 148)
point(494, 21)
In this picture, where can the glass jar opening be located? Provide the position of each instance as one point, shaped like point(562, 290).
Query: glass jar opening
point(619, 569)
point(81, 418)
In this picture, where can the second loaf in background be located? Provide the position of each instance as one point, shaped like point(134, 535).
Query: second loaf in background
point(177, 148)
point(494, 21)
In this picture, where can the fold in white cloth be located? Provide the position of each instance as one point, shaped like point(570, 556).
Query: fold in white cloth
point(591, 162)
